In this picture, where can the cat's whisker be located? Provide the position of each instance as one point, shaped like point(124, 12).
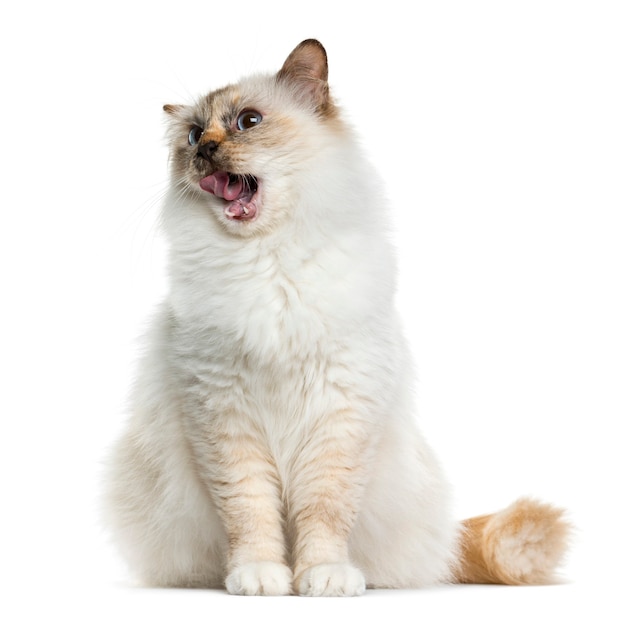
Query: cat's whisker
point(134, 224)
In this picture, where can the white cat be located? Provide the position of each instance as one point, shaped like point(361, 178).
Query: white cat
point(272, 446)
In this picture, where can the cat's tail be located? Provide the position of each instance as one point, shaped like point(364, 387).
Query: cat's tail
point(523, 544)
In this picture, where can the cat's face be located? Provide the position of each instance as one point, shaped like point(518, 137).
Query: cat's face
point(241, 147)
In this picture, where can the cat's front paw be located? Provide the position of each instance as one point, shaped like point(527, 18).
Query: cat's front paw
point(331, 580)
point(260, 578)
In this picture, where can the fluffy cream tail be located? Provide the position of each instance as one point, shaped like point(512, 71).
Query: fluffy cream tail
point(522, 544)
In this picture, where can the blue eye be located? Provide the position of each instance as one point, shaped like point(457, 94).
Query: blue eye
point(194, 135)
point(248, 119)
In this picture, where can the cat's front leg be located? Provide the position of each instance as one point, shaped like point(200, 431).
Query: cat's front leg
point(326, 491)
point(259, 579)
point(245, 486)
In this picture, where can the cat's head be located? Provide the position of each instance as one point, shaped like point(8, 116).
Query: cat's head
point(241, 149)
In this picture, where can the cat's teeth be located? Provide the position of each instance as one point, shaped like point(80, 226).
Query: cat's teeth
point(246, 210)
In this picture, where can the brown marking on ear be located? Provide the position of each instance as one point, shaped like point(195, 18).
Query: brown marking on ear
point(307, 68)
point(173, 109)
point(307, 61)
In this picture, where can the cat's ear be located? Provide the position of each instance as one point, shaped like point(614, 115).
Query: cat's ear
point(306, 68)
point(173, 110)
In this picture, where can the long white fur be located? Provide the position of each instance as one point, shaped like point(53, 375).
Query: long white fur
point(285, 326)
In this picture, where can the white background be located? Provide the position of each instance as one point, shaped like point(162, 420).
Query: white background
point(500, 130)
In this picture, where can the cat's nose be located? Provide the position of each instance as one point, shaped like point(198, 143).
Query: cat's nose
point(208, 149)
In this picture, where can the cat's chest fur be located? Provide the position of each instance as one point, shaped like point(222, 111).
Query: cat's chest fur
point(279, 302)
point(284, 330)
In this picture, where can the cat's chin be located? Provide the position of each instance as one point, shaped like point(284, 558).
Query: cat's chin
point(240, 194)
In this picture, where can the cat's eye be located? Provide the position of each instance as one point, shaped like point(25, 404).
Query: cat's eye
point(194, 135)
point(248, 119)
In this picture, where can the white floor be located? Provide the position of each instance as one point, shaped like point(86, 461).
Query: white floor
point(87, 580)
point(103, 598)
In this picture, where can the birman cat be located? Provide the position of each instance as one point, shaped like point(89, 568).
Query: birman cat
point(272, 446)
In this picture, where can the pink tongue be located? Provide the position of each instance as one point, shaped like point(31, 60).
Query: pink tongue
point(219, 184)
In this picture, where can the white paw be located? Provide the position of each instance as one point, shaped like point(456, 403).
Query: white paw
point(260, 578)
point(331, 580)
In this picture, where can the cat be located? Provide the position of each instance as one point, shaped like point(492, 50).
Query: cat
point(271, 447)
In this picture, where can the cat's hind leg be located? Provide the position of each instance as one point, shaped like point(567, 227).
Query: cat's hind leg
point(405, 535)
point(160, 516)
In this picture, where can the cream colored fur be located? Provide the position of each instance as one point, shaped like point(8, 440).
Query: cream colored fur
point(272, 446)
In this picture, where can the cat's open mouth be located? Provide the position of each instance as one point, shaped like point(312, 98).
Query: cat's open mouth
point(238, 191)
